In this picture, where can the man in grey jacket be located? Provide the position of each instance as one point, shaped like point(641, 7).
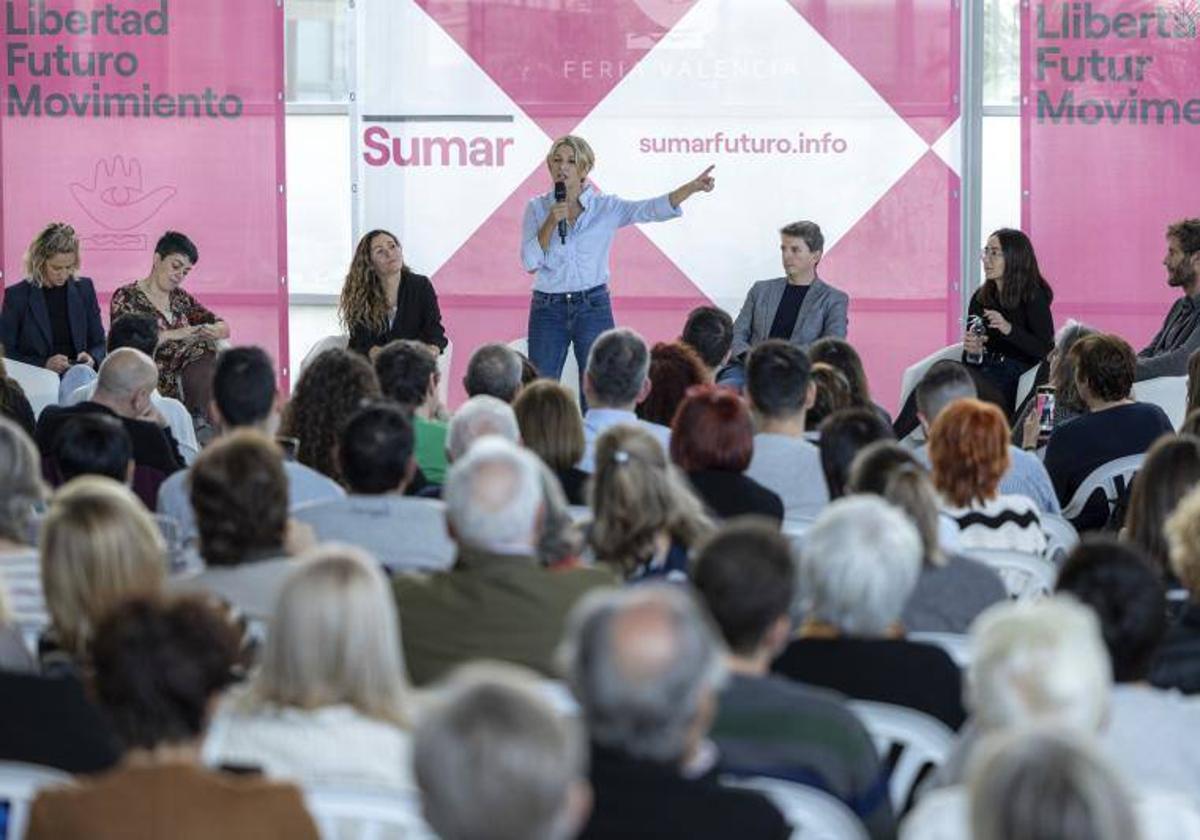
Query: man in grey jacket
point(1167, 353)
point(798, 307)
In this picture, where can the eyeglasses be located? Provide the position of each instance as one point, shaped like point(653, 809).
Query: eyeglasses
point(991, 253)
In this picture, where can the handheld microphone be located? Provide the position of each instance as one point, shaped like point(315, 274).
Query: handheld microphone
point(560, 194)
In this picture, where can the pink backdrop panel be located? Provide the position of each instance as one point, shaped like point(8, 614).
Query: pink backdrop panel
point(1111, 152)
point(883, 74)
point(182, 130)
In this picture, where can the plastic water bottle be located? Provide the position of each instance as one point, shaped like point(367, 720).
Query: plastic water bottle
point(975, 326)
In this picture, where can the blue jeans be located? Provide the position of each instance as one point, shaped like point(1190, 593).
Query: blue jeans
point(557, 320)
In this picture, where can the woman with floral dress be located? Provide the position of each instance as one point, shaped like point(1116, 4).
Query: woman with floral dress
point(188, 331)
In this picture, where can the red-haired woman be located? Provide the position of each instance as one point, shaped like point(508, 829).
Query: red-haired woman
point(968, 447)
point(712, 440)
point(674, 368)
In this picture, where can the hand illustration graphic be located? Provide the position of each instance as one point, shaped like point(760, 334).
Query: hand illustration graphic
point(115, 200)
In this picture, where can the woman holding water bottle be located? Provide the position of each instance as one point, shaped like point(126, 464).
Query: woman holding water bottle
point(1009, 325)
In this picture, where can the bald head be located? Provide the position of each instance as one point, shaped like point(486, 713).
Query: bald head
point(645, 665)
point(127, 377)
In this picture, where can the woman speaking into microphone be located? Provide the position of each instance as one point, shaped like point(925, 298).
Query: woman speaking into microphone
point(565, 239)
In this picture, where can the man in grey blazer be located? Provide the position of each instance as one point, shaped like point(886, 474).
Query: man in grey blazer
point(799, 307)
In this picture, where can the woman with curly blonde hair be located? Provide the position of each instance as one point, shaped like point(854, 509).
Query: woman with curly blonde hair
point(383, 299)
point(332, 388)
point(646, 519)
point(968, 447)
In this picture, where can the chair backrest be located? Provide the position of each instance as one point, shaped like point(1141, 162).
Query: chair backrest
point(1061, 537)
point(813, 814)
point(443, 367)
point(19, 785)
point(1026, 576)
point(910, 742)
point(570, 371)
point(329, 342)
point(912, 375)
point(1115, 478)
point(40, 385)
point(954, 644)
point(1167, 392)
point(353, 814)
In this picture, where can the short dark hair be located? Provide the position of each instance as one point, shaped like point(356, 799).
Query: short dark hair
point(494, 370)
point(777, 374)
point(712, 431)
point(617, 366)
point(810, 232)
point(1106, 364)
point(174, 242)
point(404, 368)
point(1187, 231)
point(843, 435)
point(709, 331)
point(243, 386)
point(134, 329)
point(93, 444)
point(158, 664)
point(944, 382)
point(746, 576)
point(375, 449)
point(239, 491)
point(1119, 583)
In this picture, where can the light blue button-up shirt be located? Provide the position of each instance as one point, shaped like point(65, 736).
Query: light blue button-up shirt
point(583, 261)
point(599, 420)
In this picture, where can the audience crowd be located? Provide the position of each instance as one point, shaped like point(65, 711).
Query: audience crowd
point(659, 617)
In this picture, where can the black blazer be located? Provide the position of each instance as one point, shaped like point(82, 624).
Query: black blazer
point(638, 799)
point(25, 322)
point(729, 494)
point(417, 317)
point(50, 721)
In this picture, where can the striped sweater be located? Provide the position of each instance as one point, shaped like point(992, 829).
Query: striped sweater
point(1007, 523)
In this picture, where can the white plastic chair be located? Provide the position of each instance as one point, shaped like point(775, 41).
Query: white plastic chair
point(40, 385)
point(1167, 392)
point(19, 786)
point(1026, 576)
point(1061, 538)
point(353, 814)
point(813, 814)
point(908, 740)
point(329, 342)
point(912, 375)
point(1114, 478)
point(954, 644)
point(570, 371)
point(341, 342)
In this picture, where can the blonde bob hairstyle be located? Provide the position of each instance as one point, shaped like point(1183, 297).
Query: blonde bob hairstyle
point(98, 546)
point(54, 239)
point(335, 639)
point(636, 496)
point(585, 158)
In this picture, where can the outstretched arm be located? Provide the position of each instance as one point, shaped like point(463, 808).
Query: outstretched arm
point(704, 182)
